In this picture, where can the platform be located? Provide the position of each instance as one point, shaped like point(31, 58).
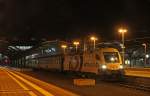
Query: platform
point(139, 72)
point(13, 83)
point(11, 87)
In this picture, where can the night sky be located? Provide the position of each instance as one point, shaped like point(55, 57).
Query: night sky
point(67, 19)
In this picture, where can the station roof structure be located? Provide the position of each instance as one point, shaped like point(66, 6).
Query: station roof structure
point(18, 48)
point(15, 49)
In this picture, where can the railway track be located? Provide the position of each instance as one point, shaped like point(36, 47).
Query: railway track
point(137, 87)
point(138, 83)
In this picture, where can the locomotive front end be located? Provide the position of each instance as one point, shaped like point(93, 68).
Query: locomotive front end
point(111, 64)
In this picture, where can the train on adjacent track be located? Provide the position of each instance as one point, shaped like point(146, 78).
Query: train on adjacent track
point(101, 61)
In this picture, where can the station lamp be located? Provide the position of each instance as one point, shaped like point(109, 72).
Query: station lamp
point(76, 43)
point(93, 38)
point(64, 47)
point(123, 31)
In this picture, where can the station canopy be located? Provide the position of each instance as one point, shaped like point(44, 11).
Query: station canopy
point(15, 49)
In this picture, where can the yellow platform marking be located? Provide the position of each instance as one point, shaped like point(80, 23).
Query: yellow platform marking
point(39, 89)
point(22, 85)
point(52, 87)
point(14, 91)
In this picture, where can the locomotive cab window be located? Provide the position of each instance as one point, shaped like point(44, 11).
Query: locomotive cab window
point(111, 57)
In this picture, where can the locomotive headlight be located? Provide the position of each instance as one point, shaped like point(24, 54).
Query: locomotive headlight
point(121, 66)
point(104, 66)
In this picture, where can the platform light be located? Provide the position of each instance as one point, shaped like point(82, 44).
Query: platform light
point(104, 67)
point(64, 47)
point(147, 56)
point(127, 62)
point(123, 31)
point(24, 47)
point(93, 38)
point(76, 43)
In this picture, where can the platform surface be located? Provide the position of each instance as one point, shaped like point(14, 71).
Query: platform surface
point(139, 72)
point(13, 83)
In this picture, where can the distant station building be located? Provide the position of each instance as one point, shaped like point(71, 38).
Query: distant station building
point(49, 48)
